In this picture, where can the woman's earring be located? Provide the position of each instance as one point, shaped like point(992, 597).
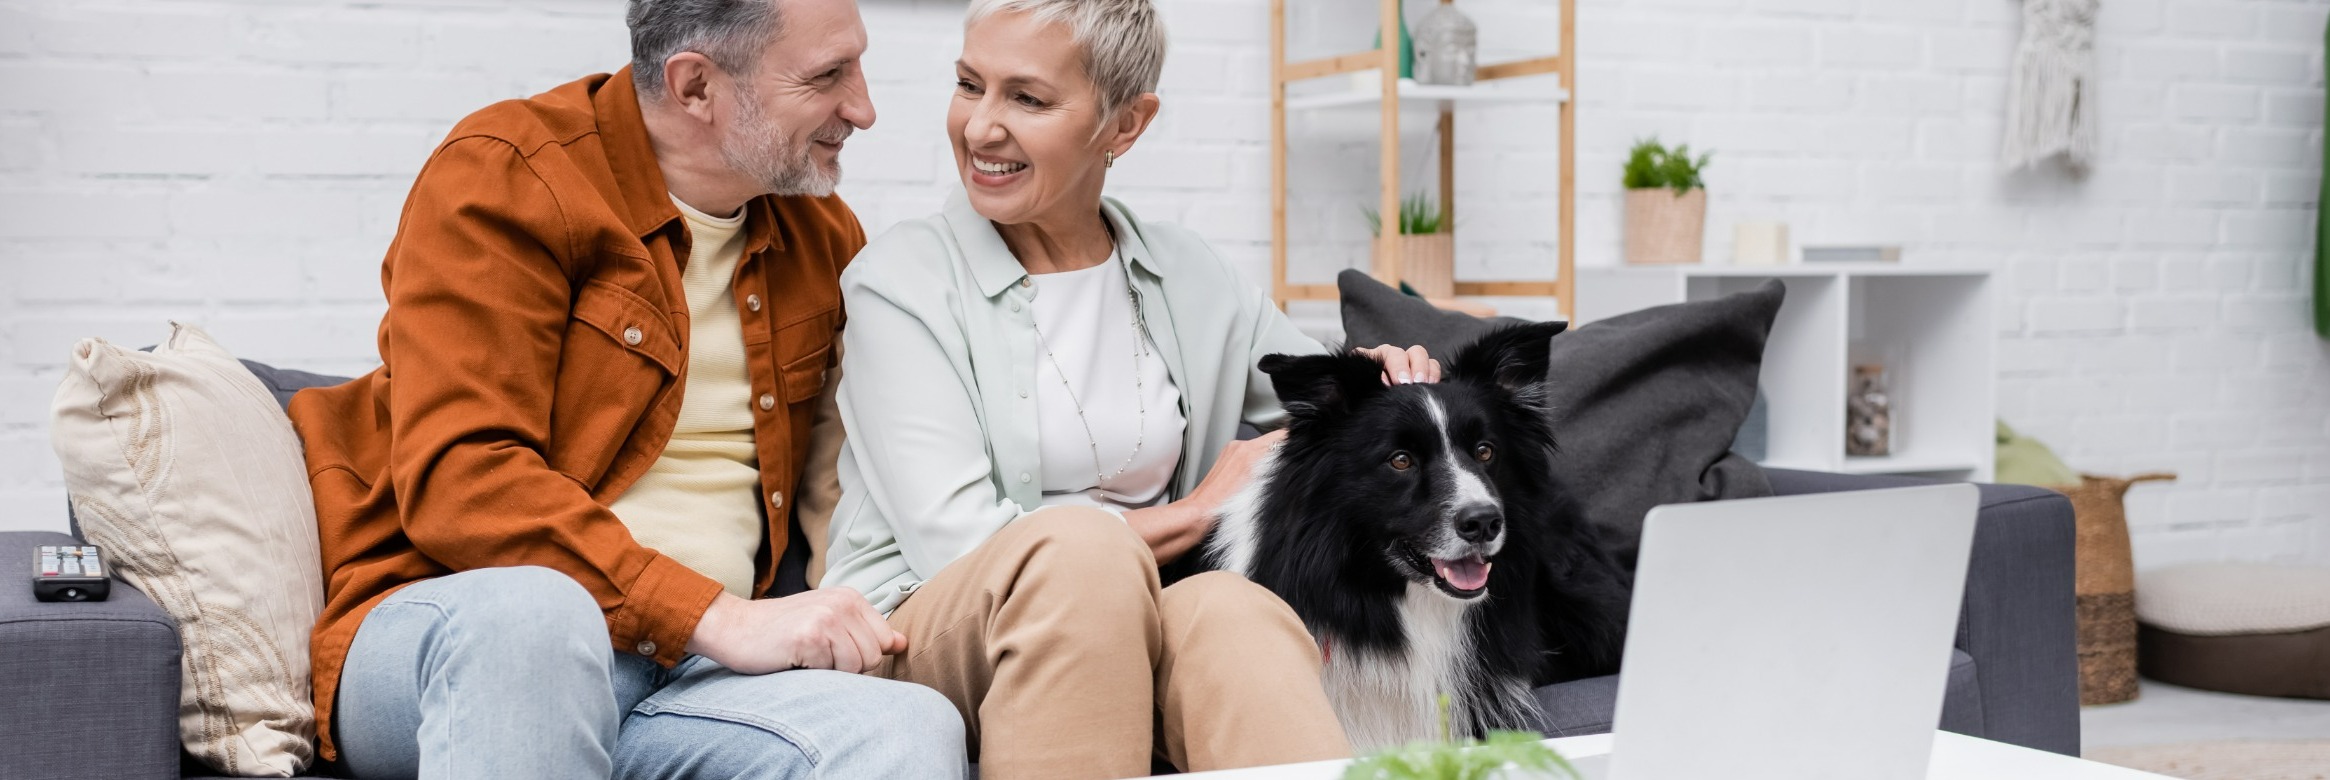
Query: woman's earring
point(1108, 159)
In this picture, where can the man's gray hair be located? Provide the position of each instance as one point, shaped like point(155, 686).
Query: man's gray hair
point(731, 33)
point(1123, 41)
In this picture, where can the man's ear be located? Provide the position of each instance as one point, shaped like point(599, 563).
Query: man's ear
point(1514, 356)
point(688, 79)
point(1319, 386)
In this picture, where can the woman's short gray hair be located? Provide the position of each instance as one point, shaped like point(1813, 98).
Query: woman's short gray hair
point(1123, 41)
point(731, 33)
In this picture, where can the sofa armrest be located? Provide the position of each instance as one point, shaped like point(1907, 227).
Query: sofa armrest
point(93, 686)
point(2017, 621)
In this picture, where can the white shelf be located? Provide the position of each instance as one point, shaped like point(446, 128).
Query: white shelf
point(1931, 326)
point(1696, 270)
point(1910, 463)
point(1442, 97)
point(1795, 465)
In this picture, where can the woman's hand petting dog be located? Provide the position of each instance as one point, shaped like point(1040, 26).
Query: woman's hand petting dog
point(828, 628)
point(1171, 530)
point(1403, 366)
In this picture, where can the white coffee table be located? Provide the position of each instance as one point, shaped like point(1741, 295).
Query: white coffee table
point(1956, 757)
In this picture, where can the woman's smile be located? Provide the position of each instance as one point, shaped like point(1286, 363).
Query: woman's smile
point(991, 172)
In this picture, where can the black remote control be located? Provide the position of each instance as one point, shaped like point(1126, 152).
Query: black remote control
point(70, 573)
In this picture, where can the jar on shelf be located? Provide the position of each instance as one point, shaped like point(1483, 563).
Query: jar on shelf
point(1447, 48)
point(1869, 412)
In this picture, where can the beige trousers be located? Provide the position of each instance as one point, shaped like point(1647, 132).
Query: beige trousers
point(1067, 660)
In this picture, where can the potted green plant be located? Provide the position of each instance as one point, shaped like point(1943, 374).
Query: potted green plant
point(1427, 248)
point(1505, 755)
point(1666, 204)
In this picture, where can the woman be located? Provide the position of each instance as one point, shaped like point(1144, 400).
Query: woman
point(1034, 347)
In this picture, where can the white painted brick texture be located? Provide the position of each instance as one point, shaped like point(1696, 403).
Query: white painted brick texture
point(241, 163)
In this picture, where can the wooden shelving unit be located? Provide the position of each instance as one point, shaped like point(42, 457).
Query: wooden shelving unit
point(1389, 97)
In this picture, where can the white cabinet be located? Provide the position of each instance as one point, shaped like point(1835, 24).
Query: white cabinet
point(1931, 327)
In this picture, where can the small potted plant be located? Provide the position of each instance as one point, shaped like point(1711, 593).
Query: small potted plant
point(1666, 204)
point(1505, 755)
point(1427, 248)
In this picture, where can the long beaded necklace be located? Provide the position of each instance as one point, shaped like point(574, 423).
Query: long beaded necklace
point(1140, 388)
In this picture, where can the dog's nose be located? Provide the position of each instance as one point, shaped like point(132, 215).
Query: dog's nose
point(1478, 524)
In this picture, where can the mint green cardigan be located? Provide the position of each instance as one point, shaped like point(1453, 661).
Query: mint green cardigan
point(937, 395)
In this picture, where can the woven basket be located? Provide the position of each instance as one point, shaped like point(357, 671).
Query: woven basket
point(1663, 228)
point(1428, 263)
point(2106, 587)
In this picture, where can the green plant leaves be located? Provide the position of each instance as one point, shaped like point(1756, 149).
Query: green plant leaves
point(1503, 754)
point(1651, 165)
point(1418, 217)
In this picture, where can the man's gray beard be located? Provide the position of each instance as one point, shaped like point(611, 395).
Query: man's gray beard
point(756, 147)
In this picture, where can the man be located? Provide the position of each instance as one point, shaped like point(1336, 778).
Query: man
point(547, 515)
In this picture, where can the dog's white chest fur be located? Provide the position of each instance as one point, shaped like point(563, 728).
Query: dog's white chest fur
point(1387, 699)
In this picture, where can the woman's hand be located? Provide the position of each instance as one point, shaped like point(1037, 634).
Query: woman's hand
point(1171, 530)
point(1404, 366)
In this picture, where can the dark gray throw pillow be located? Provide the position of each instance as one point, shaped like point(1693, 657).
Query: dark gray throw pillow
point(1375, 313)
point(1644, 404)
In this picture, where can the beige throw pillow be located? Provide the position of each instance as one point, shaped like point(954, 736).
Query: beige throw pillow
point(186, 471)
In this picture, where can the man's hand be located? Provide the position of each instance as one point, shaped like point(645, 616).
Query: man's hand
point(829, 628)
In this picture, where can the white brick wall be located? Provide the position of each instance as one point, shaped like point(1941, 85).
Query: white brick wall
point(240, 163)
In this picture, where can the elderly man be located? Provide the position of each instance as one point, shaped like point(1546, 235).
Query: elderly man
point(547, 516)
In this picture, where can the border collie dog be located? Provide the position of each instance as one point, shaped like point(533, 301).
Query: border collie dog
point(1413, 530)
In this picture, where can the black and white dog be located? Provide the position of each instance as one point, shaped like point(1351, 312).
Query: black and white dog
point(1412, 529)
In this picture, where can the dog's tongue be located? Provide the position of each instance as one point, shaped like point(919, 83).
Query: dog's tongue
point(1468, 573)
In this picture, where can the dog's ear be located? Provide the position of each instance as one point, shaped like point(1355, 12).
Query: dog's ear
point(1513, 356)
point(1313, 386)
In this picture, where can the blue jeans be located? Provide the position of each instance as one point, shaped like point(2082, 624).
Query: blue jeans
point(508, 673)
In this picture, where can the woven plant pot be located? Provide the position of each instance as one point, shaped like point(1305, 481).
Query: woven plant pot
point(2106, 587)
point(1663, 228)
point(1428, 263)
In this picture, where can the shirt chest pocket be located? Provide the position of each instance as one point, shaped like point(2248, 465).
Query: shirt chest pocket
point(804, 350)
point(628, 322)
point(620, 355)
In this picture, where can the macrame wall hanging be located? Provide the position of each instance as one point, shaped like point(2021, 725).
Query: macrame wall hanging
point(2051, 99)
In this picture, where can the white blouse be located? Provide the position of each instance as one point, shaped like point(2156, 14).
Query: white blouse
point(939, 379)
point(1085, 319)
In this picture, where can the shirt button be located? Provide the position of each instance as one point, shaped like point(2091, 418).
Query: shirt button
point(767, 402)
point(632, 336)
point(1015, 305)
point(1027, 282)
point(776, 499)
point(752, 302)
point(646, 647)
point(1023, 478)
point(1023, 392)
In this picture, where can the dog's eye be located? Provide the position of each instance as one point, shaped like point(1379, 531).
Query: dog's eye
point(1483, 452)
point(1400, 461)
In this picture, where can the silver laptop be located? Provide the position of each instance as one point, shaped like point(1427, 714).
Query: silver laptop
point(1805, 637)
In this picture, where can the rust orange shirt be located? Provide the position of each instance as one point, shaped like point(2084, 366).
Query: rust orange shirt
point(532, 363)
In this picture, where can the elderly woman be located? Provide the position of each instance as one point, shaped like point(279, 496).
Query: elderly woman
point(1042, 393)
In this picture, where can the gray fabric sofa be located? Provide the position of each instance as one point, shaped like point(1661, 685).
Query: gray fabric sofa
point(96, 685)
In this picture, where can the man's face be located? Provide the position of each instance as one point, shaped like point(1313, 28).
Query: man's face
point(806, 96)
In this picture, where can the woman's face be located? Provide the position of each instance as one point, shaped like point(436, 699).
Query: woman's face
point(1025, 122)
